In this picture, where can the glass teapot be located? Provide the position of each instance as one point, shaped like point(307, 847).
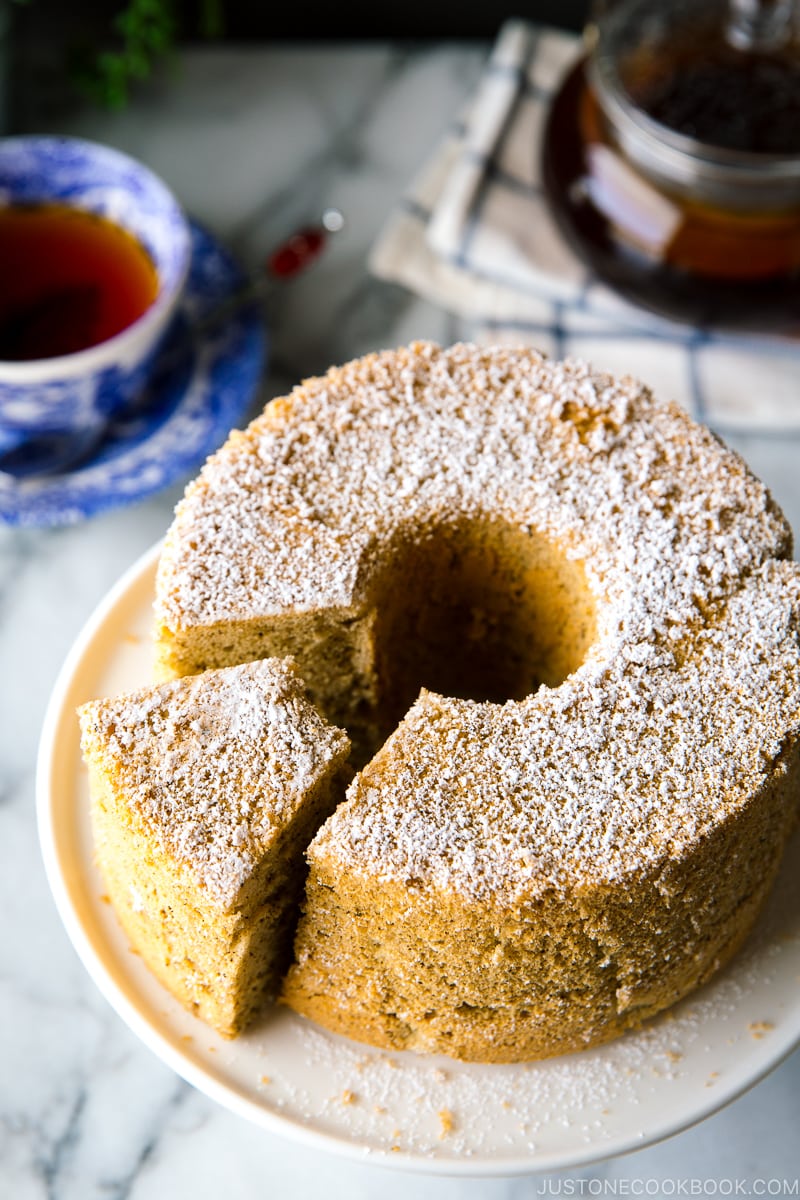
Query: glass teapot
point(672, 157)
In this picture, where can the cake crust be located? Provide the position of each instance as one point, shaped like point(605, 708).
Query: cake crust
point(535, 868)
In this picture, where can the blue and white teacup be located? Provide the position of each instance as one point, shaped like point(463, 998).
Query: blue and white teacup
point(52, 410)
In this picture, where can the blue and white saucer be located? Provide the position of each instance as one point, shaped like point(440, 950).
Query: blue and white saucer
point(200, 389)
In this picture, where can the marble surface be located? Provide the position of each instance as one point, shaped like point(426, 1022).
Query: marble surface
point(255, 142)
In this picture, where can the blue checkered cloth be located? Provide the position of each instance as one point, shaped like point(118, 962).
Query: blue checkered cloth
point(474, 235)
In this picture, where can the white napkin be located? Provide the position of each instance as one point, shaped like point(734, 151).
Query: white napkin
point(474, 234)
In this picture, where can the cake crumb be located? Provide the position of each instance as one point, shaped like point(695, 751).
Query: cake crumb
point(348, 1097)
point(757, 1029)
point(265, 1079)
point(446, 1122)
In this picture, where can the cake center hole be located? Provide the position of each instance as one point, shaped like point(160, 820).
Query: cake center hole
point(483, 611)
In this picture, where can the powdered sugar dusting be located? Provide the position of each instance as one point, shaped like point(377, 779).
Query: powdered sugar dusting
point(627, 764)
point(216, 764)
point(290, 513)
point(685, 701)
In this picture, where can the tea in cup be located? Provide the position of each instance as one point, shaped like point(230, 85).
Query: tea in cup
point(94, 255)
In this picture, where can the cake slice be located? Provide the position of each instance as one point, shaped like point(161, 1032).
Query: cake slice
point(205, 792)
